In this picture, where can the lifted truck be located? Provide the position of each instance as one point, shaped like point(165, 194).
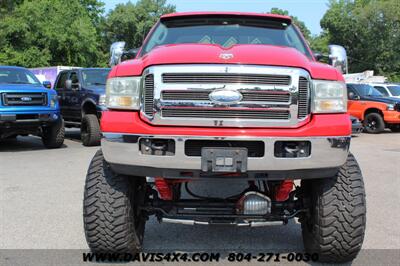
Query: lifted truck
point(225, 96)
point(82, 98)
point(27, 107)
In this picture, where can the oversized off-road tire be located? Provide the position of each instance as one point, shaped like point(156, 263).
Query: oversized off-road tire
point(335, 226)
point(53, 136)
point(373, 123)
point(112, 220)
point(90, 130)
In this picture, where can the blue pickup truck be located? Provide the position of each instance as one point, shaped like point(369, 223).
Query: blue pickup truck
point(82, 99)
point(29, 107)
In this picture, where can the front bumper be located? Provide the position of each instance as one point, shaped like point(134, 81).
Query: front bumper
point(392, 117)
point(123, 153)
point(329, 136)
point(16, 123)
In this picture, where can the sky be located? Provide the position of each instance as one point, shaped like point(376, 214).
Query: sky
point(309, 11)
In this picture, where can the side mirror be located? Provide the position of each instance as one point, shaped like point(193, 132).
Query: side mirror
point(318, 56)
point(68, 84)
point(338, 58)
point(352, 96)
point(130, 54)
point(47, 84)
point(116, 52)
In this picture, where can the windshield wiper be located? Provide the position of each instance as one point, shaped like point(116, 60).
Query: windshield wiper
point(97, 83)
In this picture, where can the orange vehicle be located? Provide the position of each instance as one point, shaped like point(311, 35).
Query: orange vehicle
point(376, 111)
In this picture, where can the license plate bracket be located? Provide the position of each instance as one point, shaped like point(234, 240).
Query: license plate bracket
point(228, 160)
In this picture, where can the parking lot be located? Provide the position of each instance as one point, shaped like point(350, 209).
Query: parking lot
point(41, 202)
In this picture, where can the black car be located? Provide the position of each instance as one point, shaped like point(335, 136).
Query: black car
point(82, 99)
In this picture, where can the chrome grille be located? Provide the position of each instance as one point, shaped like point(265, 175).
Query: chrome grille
point(226, 78)
point(178, 95)
point(248, 96)
point(228, 113)
point(148, 94)
point(303, 101)
point(24, 99)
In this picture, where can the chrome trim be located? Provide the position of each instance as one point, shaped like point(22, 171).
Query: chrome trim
point(326, 152)
point(159, 103)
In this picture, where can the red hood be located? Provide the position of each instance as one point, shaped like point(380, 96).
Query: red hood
point(210, 54)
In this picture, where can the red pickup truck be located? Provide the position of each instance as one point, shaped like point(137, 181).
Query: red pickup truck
point(225, 96)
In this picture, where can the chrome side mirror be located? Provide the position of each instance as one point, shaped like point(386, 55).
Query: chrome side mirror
point(338, 58)
point(116, 52)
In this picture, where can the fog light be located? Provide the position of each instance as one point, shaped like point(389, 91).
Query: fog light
point(254, 203)
point(292, 149)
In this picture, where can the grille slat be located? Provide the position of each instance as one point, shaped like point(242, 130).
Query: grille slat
point(303, 101)
point(260, 79)
point(148, 94)
point(249, 96)
point(24, 99)
point(229, 113)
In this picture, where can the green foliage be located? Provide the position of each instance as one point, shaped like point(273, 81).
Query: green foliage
point(45, 32)
point(300, 24)
point(370, 32)
point(130, 22)
point(319, 43)
point(8, 6)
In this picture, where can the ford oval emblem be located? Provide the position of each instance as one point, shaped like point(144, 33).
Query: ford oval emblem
point(225, 96)
point(26, 99)
point(226, 56)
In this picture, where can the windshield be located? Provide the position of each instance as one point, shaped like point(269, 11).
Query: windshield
point(226, 32)
point(367, 90)
point(17, 76)
point(95, 77)
point(394, 90)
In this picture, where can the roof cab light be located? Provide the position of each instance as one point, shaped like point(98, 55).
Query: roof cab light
point(329, 97)
point(123, 93)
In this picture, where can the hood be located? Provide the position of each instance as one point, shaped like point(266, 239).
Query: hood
point(96, 88)
point(22, 88)
point(238, 54)
point(389, 100)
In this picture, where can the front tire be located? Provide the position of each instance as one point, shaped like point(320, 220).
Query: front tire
point(53, 136)
point(374, 123)
point(111, 216)
point(90, 130)
point(335, 226)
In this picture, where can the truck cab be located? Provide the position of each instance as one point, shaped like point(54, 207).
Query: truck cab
point(225, 96)
point(27, 107)
point(82, 98)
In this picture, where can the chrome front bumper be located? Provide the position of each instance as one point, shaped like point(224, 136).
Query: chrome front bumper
point(123, 150)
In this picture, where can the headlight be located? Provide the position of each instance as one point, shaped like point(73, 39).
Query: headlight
point(123, 93)
point(53, 100)
point(390, 107)
point(329, 97)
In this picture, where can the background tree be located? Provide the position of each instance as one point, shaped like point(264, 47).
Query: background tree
point(370, 32)
point(130, 22)
point(302, 26)
point(8, 5)
point(48, 32)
